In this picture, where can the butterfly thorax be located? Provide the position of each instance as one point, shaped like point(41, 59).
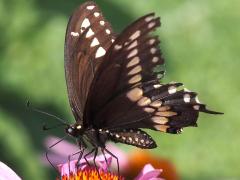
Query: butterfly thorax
point(75, 130)
point(95, 137)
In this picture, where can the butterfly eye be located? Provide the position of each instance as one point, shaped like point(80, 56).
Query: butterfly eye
point(70, 130)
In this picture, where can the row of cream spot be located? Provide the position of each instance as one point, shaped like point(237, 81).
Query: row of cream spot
point(85, 24)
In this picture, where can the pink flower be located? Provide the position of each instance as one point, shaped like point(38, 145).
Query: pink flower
point(6, 173)
point(85, 172)
point(82, 164)
point(70, 171)
point(61, 152)
point(149, 173)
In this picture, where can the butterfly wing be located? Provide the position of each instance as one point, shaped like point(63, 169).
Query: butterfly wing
point(124, 62)
point(88, 37)
point(126, 93)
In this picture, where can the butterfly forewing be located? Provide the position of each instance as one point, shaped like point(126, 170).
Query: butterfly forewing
point(129, 61)
point(88, 37)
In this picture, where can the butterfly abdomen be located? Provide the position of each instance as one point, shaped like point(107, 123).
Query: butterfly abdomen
point(135, 137)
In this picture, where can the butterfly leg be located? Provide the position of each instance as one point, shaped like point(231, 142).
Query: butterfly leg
point(79, 157)
point(69, 159)
point(46, 154)
point(115, 158)
point(85, 156)
point(102, 149)
point(94, 161)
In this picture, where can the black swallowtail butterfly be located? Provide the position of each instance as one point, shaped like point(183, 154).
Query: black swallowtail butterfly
point(112, 89)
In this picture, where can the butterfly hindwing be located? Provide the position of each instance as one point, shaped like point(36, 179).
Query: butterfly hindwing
point(162, 107)
point(88, 37)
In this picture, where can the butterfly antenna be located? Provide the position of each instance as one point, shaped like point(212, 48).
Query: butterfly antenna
point(62, 121)
point(45, 127)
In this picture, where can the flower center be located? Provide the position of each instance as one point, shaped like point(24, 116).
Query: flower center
point(91, 174)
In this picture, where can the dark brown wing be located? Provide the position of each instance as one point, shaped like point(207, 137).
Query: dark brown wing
point(163, 107)
point(127, 94)
point(88, 37)
point(124, 62)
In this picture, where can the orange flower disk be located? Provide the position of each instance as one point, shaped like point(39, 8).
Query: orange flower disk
point(91, 174)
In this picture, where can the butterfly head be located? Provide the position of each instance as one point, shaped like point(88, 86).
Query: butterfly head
point(74, 130)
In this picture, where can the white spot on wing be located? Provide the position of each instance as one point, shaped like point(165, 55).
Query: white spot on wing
point(90, 7)
point(135, 79)
point(132, 53)
point(151, 25)
point(186, 98)
point(148, 109)
point(85, 24)
point(100, 52)
point(159, 120)
point(117, 47)
point(134, 61)
point(155, 59)
point(197, 100)
point(153, 50)
point(151, 41)
point(172, 89)
point(74, 34)
point(156, 104)
point(95, 42)
point(108, 31)
point(135, 94)
point(135, 35)
point(134, 44)
point(135, 70)
point(149, 18)
point(144, 101)
point(89, 33)
point(96, 14)
point(102, 23)
point(196, 107)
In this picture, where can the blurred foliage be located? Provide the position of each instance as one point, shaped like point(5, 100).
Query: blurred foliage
point(200, 41)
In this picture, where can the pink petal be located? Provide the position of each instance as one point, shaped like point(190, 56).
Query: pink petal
point(149, 173)
point(100, 161)
point(66, 168)
point(64, 148)
point(6, 173)
point(59, 153)
point(121, 155)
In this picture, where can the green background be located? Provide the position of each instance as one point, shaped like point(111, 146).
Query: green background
point(200, 41)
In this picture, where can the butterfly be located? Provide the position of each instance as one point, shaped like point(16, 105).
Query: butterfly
point(113, 83)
